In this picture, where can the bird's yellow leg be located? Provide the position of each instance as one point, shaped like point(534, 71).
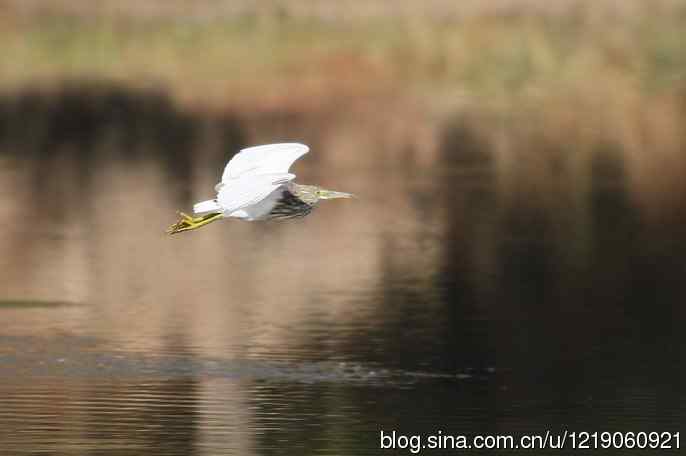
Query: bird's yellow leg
point(186, 217)
point(188, 223)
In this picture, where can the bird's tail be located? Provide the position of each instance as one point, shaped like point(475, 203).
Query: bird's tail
point(206, 206)
point(188, 223)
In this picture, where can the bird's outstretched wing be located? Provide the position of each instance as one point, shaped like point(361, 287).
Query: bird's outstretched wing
point(267, 159)
point(249, 190)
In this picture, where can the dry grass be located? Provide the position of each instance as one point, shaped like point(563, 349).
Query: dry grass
point(548, 86)
point(498, 52)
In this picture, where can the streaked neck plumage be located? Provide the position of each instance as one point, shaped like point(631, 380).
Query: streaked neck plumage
point(307, 193)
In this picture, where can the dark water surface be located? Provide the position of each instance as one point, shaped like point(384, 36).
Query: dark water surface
point(430, 304)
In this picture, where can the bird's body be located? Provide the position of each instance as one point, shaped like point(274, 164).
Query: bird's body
point(293, 201)
point(256, 185)
point(288, 200)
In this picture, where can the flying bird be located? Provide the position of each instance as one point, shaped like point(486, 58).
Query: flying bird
point(256, 185)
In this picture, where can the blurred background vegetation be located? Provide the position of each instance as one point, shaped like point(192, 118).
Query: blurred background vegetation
point(547, 91)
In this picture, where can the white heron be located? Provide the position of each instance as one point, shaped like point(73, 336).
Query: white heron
point(256, 185)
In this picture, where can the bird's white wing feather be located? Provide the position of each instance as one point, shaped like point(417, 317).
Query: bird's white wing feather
point(267, 159)
point(246, 191)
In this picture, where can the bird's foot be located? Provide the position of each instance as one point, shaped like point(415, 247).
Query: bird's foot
point(184, 224)
point(188, 223)
point(185, 216)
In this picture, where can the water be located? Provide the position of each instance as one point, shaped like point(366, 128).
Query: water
point(431, 304)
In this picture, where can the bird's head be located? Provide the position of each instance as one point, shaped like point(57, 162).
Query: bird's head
point(312, 193)
point(323, 193)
